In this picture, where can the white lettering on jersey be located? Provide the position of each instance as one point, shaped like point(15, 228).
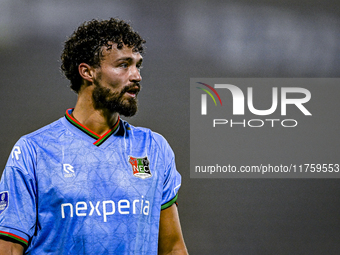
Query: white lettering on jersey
point(105, 213)
point(94, 208)
point(81, 206)
point(62, 209)
point(108, 208)
point(15, 152)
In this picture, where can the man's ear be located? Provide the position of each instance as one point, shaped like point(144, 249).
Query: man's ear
point(86, 72)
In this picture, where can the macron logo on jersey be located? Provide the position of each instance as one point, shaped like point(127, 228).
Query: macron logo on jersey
point(68, 171)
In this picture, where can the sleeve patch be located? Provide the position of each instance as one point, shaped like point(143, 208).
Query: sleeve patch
point(4, 199)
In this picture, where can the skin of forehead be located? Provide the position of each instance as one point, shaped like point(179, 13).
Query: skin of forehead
point(107, 52)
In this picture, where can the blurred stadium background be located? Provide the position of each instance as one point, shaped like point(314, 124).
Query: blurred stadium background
point(187, 39)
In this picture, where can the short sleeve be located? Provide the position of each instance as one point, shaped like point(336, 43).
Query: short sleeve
point(18, 196)
point(172, 180)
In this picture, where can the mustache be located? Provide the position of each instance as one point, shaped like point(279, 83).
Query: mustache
point(133, 87)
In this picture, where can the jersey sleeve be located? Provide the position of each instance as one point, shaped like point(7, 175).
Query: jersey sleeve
point(18, 195)
point(172, 179)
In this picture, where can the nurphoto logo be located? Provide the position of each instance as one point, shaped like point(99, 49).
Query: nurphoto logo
point(295, 96)
point(264, 127)
point(204, 97)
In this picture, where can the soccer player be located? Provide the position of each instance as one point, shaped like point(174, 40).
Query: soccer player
point(90, 183)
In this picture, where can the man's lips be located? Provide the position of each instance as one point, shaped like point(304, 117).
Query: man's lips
point(131, 94)
point(132, 90)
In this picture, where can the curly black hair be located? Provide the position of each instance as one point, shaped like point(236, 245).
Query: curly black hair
point(86, 44)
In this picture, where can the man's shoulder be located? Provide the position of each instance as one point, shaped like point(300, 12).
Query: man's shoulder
point(49, 131)
point(27, 146)
point(143, 131)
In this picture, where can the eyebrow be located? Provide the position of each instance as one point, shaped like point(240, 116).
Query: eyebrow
point(129, 59)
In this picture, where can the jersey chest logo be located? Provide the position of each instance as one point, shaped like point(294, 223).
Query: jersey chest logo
point(140, 167)
point(68, 171)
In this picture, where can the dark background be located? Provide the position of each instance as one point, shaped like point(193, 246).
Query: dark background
point(187, 39)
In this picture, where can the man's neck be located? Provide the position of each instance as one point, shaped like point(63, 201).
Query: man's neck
point(99, 121)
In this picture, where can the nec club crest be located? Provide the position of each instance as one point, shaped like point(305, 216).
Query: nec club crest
point(140, 167)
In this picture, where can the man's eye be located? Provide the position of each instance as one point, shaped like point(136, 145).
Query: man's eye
point(139, 67)
point(124, 65)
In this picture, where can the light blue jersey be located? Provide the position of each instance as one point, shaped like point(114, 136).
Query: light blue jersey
point(67, 190)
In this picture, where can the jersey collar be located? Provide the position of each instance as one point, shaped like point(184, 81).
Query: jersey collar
point(99, 139)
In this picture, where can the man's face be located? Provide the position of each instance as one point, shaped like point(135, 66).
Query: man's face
point(117, 81)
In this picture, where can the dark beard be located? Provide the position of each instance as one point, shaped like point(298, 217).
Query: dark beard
point(103, 98)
